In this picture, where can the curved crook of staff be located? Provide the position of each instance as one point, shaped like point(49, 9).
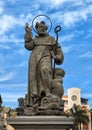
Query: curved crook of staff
point(56, 30)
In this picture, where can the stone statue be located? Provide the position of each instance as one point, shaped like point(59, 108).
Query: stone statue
point(45, 88)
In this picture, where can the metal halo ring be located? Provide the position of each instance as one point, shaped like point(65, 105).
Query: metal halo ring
point(44, 16)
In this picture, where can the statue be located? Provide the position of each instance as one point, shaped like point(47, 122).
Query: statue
point(45, 88)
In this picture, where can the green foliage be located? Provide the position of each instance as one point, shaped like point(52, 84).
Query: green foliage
point(81, 115)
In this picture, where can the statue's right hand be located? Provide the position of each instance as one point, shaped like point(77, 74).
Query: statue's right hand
point(28, 37)
point(27, 28)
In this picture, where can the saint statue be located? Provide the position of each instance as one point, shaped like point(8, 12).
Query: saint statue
point(41, 74)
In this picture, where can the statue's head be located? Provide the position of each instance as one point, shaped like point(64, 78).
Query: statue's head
point(41, 28)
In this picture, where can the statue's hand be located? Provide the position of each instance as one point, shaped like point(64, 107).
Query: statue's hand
point(27, 28)
point(28, 35)
point(58, 59)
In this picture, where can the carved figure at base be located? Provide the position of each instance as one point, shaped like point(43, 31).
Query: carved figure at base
point(45, 88)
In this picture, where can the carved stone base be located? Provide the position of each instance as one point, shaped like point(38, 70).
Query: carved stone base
point(28, 111)
point(41, 123)
point(51, 105)
point(50, 112)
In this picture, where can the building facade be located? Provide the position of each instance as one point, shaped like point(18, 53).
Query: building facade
point(74, 97)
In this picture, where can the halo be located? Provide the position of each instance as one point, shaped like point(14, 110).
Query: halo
point(34, 20)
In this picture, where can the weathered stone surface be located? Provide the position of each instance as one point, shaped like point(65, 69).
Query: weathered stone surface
point(44, 80)
point(41, 123)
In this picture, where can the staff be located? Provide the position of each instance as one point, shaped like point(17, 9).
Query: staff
point(56, 30)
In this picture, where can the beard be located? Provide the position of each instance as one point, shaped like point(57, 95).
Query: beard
point(42, 33)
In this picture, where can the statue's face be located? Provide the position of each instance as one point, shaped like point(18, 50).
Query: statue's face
point(41, 29)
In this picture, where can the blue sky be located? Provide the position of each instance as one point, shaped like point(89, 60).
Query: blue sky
point(75, 17)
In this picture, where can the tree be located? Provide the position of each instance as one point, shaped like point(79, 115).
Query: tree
point(81, 115)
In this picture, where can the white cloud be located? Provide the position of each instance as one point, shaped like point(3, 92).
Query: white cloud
point(1, 57)
point(21, 51)
point(10, 99)
point(59, 3)
point(11, 38)
point(2, 70)
point(8, 22)
point(2, 46)
point(56, 2)
point(89, 34)
point(86, 55)
point(71, 18)
point(66, 37)
point(1, 10)
point(13, 85)
point(67, 49)
point(87, 1)
point(7, 76)
point(11, 1)
point(11, 96)
point(1, 7)
point(88, 95)
point(18, 65)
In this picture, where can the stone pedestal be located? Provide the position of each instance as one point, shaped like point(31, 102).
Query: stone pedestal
point(41, 123)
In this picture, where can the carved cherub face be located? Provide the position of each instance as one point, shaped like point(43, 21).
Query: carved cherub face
point(41, 28)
